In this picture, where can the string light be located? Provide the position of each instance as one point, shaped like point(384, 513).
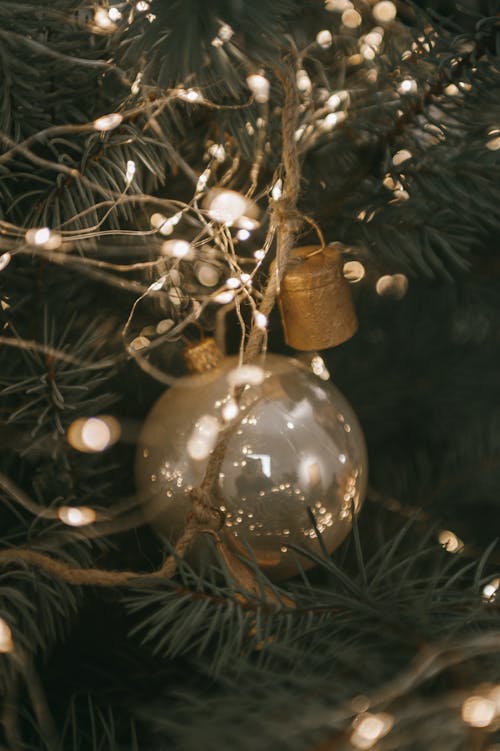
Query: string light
point(251, 375)
point(218, 152)
point(114, 13)
point(190, 95)
point(227, 206)
point(203, 438)
point(176, 296)
point(140, 342)
point(392, 285)
point(493, 144)
point(384, 12)
point(207, 275)
point(324, 38)
point(401, 156)
point(354, 271)
point(335, 100)
point(5, 259)
point(131, 169)
point(478, 711)
point(338, 6)
point(319, 368)
point(407, 86)
point(108, 122)
point(333, 119)
point(277, 190)
point(369, 728)
point(260, 320)
point(223, 35)
point(243, 234)
point(103, 20)
point(450, 542)
point(259, 254)
point(490, 590)
point(93, 434)
point(163, 326)
point(351, 18)
point(44, 238)
point(142, 6)
point(76, 516)
point(158, 284)
point(177, 248)
point(303, 81)
point(259, 86)
point(225, 297)
point(6, 641)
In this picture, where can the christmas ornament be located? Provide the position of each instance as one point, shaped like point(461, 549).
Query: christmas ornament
point(315, 300)
point(293, 449)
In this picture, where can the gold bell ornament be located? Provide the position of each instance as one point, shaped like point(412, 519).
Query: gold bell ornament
point(315, 300)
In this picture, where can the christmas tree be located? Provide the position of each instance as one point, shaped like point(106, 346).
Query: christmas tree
point(210, 213)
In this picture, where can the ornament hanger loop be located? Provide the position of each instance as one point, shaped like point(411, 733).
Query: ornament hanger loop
point(321, 238)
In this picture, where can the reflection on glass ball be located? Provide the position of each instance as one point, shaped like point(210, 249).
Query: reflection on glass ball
point(295, 444)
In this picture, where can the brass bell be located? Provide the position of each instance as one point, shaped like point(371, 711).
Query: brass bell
point(315, 300)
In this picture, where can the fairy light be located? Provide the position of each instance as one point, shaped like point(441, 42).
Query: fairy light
point(245, 279)
point(158, 284)
point(227, 206)
point(319, 368)
point(384, 12)
point(251, 375)
point(202, 181)
point(139, 342)
point(243, 234)
point(493, 143)
point(230, 410)
point(108, 122)
point(176, 248)
point(176, 296)
point(136, 86)
point(450, 541)
point(115, 14)
point(392, 285)
point(131, 169)
point(5, 259)
point(142, 6)
point(351, 18)
point(354, 271)
point(324, 38)
point(277, 190)
point(103, 20)
point(75, 516)
point(218, 152)
point(369, 728)
point(259, 86)
point(225, 297)
point(163, 225)
point(163, 326)
point(260, 320)
point(203, 438)
point(233, 282)
point(223, 35)
point(207, 275)
point(190, 95)
point(407, 86)
point(44, 238)
point(336, 100)
point(490, 590)
point(333, 119)
point(401, 156)
point(338, 6)
point(6, 641)
point(478, 711)
point(93, 434)
point(260, 254)
point(303, 81)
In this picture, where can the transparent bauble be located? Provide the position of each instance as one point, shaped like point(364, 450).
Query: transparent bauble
point(295, 447)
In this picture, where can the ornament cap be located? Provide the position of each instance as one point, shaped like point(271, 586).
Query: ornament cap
point(203, 356)
point(315, 300)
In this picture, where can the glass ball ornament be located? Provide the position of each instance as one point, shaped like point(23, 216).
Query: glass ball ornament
point(294, 447)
